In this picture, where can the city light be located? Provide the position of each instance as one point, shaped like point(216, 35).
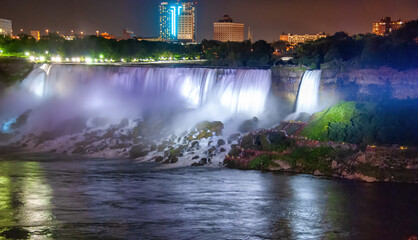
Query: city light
point(42, 59)
point(88, 60)
point(26, 53)
point(56, 59)
point(32, 58)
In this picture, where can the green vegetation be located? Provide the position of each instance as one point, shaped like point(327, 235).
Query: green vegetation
point(311, 158)
point(13, 70)
point(262, 162)
point(237, 54)
point(399, 50)
point(96, 47)
point(393, 122)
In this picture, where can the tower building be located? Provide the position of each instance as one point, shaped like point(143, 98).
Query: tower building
point(178, 21)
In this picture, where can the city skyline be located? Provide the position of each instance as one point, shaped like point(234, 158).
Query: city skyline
point(267, 18)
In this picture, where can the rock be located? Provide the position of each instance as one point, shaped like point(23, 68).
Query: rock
point(235, 150)
point(247, 141)
point(153, 147)
point(317, 173)
point(248, 125)
point(211, 151)
point(161, 147)
point(159, 159)
point(215, 126)
point(361, 158)
point(204, 135)
point(139, 151)
point(283, 164)
point(334, 164)
point(195, 145)
point(195, 157)
point(222, 150)
point(220, 142)
point(202, 162)
point(21, 120)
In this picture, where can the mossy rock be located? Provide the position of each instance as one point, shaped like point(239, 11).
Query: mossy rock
point(249, 125)
point(204, 135)
point(247, 142)
point(215, 126)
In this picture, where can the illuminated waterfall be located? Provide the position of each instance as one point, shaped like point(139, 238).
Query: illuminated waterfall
point(242, 91)
point(307, 100)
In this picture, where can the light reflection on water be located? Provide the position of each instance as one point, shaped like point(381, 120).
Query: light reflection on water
point(122, 199)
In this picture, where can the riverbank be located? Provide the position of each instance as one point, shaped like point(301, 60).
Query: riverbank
point(272, 150)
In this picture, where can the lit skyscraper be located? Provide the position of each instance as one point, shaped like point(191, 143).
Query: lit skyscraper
point(178, 21)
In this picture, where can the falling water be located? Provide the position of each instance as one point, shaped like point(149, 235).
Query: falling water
point(240, 91)
point(307, 100)
point(60, 92)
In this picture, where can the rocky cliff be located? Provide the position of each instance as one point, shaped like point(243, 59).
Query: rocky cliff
point(355, 84)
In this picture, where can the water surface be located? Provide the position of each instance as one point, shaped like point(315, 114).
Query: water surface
point(48, 197)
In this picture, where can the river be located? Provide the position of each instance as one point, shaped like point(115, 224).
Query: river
point(52, 197)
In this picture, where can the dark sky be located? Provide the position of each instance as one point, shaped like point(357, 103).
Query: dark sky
point(267, 18)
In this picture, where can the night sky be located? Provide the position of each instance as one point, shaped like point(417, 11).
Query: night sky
point(267, 18)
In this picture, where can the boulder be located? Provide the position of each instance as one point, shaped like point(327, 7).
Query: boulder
point(248, 125)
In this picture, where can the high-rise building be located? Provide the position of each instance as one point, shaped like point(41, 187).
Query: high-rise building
point(386, 26)
point(6, 27)
point(296, 39)
point(226, 30)
point(35, 34)
point(178, 21)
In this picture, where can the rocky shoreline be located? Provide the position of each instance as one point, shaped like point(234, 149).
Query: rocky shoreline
point(280, 149)
point(272, 150)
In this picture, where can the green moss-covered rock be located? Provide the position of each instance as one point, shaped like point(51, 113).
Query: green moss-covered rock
point(215, 126)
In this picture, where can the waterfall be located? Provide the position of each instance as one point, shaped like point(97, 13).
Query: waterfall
point(307, 100)
point(238, 91)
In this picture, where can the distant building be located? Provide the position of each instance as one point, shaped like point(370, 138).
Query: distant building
point(296, 39)
point(226, 30)
point(107, 35)
point(35, 34)
point(178, 21)
point(386, 26)
point(6, 27)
